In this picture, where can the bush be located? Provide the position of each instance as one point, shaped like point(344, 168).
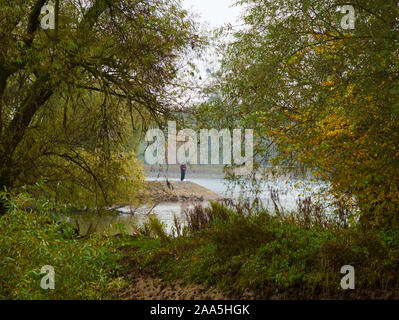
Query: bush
point(270, 255)
point(84, 268)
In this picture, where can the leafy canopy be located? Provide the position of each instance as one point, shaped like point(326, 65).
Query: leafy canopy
point(325, 97)
point(74, 100)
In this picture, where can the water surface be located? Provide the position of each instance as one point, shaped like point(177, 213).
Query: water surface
point(287, 191)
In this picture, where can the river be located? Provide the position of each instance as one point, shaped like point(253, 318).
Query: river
point(287, 191)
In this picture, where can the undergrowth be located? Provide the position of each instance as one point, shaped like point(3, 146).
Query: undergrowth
point(85, 268)
point(238, 251)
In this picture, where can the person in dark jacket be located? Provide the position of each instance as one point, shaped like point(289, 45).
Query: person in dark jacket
point(183, 170)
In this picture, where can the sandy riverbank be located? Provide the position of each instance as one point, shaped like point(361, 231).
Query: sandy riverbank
point(178, 191)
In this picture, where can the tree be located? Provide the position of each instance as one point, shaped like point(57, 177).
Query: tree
point(326, 96)
point(70, 96)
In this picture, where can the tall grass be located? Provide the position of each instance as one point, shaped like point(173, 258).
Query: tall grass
point(299, 255)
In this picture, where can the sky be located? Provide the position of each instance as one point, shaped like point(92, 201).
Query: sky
point(214, 12)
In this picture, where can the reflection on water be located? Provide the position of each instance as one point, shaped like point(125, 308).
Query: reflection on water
point(289, 191)
point(288, 194)
point(126, 222)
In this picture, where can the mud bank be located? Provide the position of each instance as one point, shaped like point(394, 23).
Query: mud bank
point(178, 191)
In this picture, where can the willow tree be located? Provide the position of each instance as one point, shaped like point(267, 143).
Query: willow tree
point(325, 91)
point(70, 96)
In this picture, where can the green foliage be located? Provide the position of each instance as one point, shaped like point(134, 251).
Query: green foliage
point(271, 255)
point(75, 101)
point(84, 268)
point(318, 96)
point(157, 228)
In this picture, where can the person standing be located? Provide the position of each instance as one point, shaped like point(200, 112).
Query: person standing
point(183, 170)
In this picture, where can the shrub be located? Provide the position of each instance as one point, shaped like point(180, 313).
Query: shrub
point(271, 255)
point(84, 268)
